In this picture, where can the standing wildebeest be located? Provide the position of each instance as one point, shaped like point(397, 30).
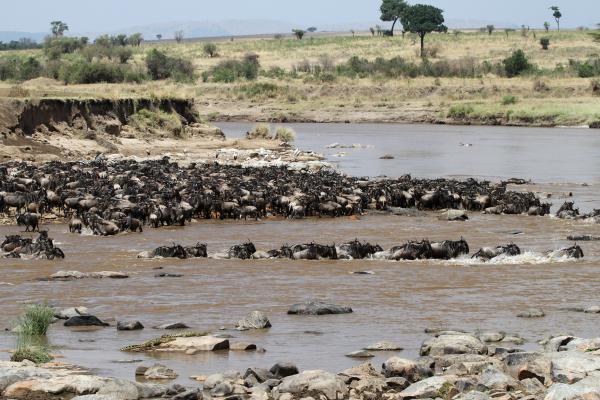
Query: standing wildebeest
point(29, 220)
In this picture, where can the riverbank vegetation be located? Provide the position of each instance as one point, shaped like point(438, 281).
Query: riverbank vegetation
point(31, 329)
point(334, 77)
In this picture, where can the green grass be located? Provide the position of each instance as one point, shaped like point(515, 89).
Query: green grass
point(35, 321)
point(36, 353)
point(145, 120)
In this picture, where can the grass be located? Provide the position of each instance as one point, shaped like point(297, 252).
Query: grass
point(260, 131)
point(284, 134)
point(146, 121)
point(553, 94)
point(32, 350)
point(35, 321)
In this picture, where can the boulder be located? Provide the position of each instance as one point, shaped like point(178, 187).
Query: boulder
point(84, 320)
point(360, 354)
point(491, 337)
point(160, 372)
point(242, 346)
point(175, 325)
point(573, 366)
point(254, 320)
point(129, 326)
point(73, 275)
point(453, 344)
point(587, 388)
point(492, 378)
point(528, 365)
point(67, 313)
point(222, 389)
point(193, 345)
point(383, 346)
point(284, 369)
point(314, 383)
point(318, 308)
point(404, 368)
point(436, 386)
point(532, 313)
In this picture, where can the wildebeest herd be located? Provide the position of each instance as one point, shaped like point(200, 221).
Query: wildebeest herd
point(356, 250)
point(42, 248)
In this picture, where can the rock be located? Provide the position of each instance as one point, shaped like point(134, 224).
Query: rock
point(583, 238)
point(491, 337)
point(592, 310)
point(167, 275)
point(129, 326)
point(532, 313)
point(383, 346)
point(474, 395)
point(191, 394)
point(67, 313)
point(160, 372)
point(73, 275)
point(404, 368)
point(315, 382)
point(454, 215)
point(242, 346)
point(386, 157)
point(284, 369)
point(176, 325)
point(84, 320)
point(318, 308)
point(436, 386)
point(254, 320)
point(360, 354)
point(141, 370)
point(213, 380)
point(397, 383)
point(453, 344)
point(528, 365)
point(193, 345)
point(362, 371)
point(259, 374)
point(586, 389)
point(222, 389)
point(363, 273)
point(573, 366)
point(492, 378)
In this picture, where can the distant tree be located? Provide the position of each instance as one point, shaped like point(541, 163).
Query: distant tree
point(135, 39)
point(179, 36)
point(312, 29)
point(516, 64)
point(210, 49)
point(557, 15)
point(379, 30)
point(104, 41)
point(545, 42)
point(159, 36)
point(423, 19)
point(120, 40)
point(299, 33)
point(508, 30)
point(596, 34)
point(352, 32)
point(393, 10)
point(372, 30)
point(547, 26)
point(58, 28)
point(490, 29)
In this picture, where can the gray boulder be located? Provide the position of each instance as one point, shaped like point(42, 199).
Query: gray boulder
point(587, 388)
point(129, 326)
point(404, 368)
point(284, 369)
point(254, 320)
point(314, 383)
point(159, 372)
point(172, 325)
point(453, 344)
point(383, 346)
point(318, 308)
point(84, 320)
point(436, 386)
point(67, 313)
point(532, 313)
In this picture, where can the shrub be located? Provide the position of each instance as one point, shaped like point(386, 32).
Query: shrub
point(161, 66)
point(545, 42)
point(35, 321)
point(230, 70)
point(55, 47)
point(516, 64)
point(210, 49)
point(508, 100)
point(123, 54)
point(460, 111)
point(299, 33)
point(540, 86)
point(285, 135)
point(262, 89)
point(83, 72)
point(260, 131)
point(595, 86)
point(19, 68)
point(147, 120)
point(35, 353)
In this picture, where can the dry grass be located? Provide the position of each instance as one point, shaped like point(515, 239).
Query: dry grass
point(555, 98)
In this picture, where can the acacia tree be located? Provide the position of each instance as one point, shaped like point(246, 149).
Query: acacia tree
point(58, 28)
point(547, 26)
point(159, 36)
point(179, 36)
point(135, 39)
point(299, 33)
point(490, 29)
point(423, 19)
point(392, 10)
point(557, 15)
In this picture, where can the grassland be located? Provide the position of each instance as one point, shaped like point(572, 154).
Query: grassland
point(553, 94)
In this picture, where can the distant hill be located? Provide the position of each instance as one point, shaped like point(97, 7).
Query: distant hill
point(7, 36)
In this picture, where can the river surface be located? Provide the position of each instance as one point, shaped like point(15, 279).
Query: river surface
point(396, 303)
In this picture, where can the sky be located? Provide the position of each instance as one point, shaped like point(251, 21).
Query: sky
point(110, 15)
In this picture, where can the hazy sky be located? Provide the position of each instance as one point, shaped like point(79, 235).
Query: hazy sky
point(107, 15)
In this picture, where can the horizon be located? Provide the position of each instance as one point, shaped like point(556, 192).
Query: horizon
point(112, 15)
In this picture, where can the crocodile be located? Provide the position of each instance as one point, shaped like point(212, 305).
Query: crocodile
point(152, 344)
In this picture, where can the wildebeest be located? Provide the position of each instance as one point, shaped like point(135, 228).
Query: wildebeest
point(411, 250)
point(358, 250)
point(569, 252)
point(42, 248)
point(567, 211)
point(29, 220)
point(488, 253)
point(242, 251)
point(449, 249)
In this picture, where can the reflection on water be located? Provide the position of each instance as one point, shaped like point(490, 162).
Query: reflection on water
point(397, 303)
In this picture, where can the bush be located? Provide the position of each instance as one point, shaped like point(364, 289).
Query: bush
point(595, 86)
point(161, 66)
point(540, 86)
point(36, 354)
point(123, 54)
point(147, 120)
point(508, 100)
point(210, 49)
point(299, 33)
point(260, 131)
point(20, 69)
point(516, 64)
point(285, 135)
point(545, 42)
point(262, 89)
point(460, 111)
point(83, 72)
point(230, 70)
point(35, 321)
point(55, 47)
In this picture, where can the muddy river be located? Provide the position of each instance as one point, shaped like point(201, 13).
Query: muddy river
point(397, 302)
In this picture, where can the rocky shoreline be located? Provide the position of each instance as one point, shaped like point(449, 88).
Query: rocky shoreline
point(452, 365)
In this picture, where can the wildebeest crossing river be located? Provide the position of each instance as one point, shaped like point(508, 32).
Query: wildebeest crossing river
point(397, 302)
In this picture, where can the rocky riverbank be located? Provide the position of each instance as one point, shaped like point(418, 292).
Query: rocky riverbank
point(452, 365)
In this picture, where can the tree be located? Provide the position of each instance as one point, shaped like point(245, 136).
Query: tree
point(393, 10)
point(299, 33)
point(159, 36)
point(179, 36)
point(490, 29)
point(557, 15)
point(547, 26)
point(312, 29)
point(58, 28)
point(120, 40)
point(135, 39)
point(210, 49)
point(516, 64)
point(372, 31)
point(596, 34)
point(423, 19)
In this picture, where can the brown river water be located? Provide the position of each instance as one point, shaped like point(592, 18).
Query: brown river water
point(396, 303)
